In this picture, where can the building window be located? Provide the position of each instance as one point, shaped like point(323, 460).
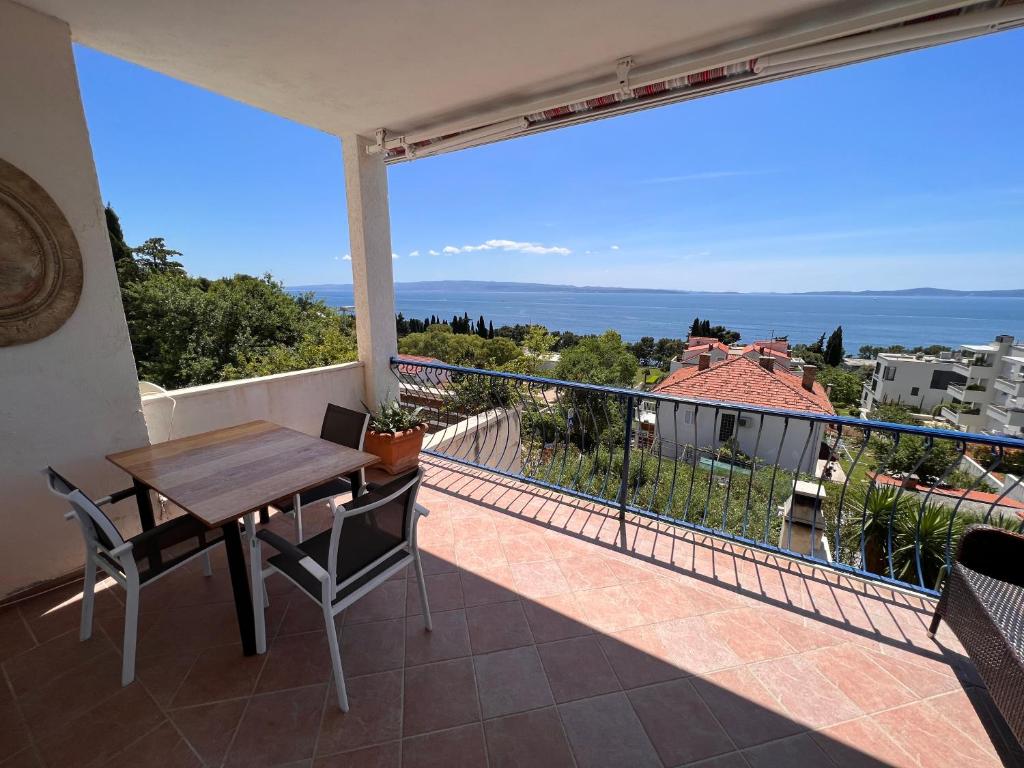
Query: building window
point(726, 427)
point(914, 391)
point(889, 373)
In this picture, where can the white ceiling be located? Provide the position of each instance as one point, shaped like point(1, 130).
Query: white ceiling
point(358, 65)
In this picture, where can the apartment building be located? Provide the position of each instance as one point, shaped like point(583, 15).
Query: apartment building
point(991, 398)
point(918, 381)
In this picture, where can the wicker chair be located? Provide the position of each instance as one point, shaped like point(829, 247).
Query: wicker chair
point(983, 603)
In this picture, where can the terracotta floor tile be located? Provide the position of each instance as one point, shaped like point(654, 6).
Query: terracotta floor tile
point(731, 760)
point(440, 695)
point(52, 705)
point(541, 579)
point(210, 728)
point(576, 668)
point(14, 735)
point(861, 744)
point(588, 572)
point(748, 635)
point(639, 657)
point(55, 657)
point(160, 748)
point(219, 673)
point(488, 585)
point(526, 548)
point(103, 731)
point(302, 616)
point(385, 602)
point(163, 675)
point(556, 618)
point(795, 752)
point(609, 609)
point(853, 670)
point(376, 646)
point(436, 558)
point(923, 681)
point(15, 636)
point(744, 707)
point(449, 639)
point(27, 758)
point(930, 740)
point(381, 756)
point(532, 739)
point(278, 727)
point(958, 708)
point(474, 528)
point(807, 696)
point(692, 646)
point(679, 723)
point(665, 599)
point(497, 626)
point(511, 681)
point(444, 593)
point(374, 716)
point(604, 732)
point(461, 747)
point(479, 554)
point(60, 610)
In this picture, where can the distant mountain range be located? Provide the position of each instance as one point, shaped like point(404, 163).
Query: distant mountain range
point(447, 286)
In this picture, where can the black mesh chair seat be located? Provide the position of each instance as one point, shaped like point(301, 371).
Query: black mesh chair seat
point(372, 538)
point(169, 544)
point(330, 489)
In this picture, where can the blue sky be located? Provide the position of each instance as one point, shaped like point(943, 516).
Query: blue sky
point(896, 173)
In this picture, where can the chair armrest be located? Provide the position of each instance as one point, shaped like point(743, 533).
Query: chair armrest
point(292, 552)
point(994, 552)
point(116, 497)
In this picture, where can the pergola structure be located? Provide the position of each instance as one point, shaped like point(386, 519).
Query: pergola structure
point(394, 81)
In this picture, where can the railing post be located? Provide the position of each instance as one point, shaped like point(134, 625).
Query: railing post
point(624, 481)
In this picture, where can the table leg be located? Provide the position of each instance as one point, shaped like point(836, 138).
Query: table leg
point(356, 481)
point(240, 586)
point(145, 504)
point(256, 583)
point(264, 515)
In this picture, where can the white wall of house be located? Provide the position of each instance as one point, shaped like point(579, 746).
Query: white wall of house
point(70, 398)
point(687, 425)
point(297, 399)
point(910, 383)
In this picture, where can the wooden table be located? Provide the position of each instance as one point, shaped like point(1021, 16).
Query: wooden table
point(227, 474)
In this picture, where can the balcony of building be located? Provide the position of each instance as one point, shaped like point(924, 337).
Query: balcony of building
point(556, 642)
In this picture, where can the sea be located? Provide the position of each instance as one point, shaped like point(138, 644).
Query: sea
point(876, 320)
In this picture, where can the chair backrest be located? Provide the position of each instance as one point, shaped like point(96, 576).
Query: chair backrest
point(376, 526)
point(97, 529)
point(344, 426)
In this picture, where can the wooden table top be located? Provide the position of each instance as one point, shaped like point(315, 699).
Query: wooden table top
point(218, 476)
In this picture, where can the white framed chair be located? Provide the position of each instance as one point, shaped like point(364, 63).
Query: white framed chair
point(372, 538)
point(342, 426)
point(133, 563)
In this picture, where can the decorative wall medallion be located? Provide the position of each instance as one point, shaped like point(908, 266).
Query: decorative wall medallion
point(40, 263)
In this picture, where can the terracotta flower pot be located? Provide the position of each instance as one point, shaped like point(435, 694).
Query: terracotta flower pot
point(399, 451)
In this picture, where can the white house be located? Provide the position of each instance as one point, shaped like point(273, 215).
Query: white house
point(918, 381)
point(990, 397)
point(793, 442)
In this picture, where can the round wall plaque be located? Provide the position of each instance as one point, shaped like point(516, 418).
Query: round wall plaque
point(40, 263)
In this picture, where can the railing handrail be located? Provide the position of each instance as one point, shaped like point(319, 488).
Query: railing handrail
point(998, 441)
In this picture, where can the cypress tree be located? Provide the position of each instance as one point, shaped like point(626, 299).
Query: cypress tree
point(834, 348)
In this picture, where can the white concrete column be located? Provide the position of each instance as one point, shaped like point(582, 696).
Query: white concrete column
point(369, 226)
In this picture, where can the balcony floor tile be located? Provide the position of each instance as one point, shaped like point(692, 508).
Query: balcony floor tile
point(553, 645)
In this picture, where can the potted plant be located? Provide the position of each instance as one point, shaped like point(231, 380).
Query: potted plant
point(396, 435)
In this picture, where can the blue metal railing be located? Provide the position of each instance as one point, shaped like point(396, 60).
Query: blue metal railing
point(813, 486)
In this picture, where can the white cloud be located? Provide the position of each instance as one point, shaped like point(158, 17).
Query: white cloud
point(511, 246)
point(615, 247)
point(414, 253)
point(702, 176)
point(395, 255)
point(346, 257)
point(432, 252)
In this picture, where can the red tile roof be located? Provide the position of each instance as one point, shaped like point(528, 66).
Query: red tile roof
point(742, 381)
point(700, 341)
point(770, 348)
point(405, 367)
point(692, 352)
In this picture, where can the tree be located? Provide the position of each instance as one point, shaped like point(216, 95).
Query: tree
point(695, 327)
point(644, 350)
point(465, 349)
point(818, 347)
point(600, 360)
point(490, 330)
point(893, 413)
point(481, 328)
point(844, 387)
point(154, 256)
point(834, 348)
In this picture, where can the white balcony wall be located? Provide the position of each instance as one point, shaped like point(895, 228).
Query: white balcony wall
point(71, 398)
point(297, 400)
